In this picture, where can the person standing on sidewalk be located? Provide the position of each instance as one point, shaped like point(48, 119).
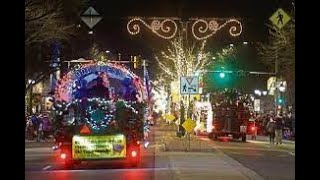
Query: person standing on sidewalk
point(271, 126)
point(45, 127)
point(35, 123)
point(278, 130)
point(40, 131)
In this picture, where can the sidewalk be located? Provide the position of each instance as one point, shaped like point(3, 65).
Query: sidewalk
point(171, 142)
point(201, 160)
point(206, 166)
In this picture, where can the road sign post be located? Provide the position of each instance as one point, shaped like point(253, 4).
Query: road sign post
point(280, 18)
point(91, 17)
point(189, 126)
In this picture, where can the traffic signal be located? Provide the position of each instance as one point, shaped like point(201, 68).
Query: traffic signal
point(135, 61)
point(222, 75)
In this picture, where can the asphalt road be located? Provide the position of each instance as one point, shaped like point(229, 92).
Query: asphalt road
point(269, 161)
point(43, 163)
point(228, 160)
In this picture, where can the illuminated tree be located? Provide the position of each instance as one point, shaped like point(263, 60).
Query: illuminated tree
point(183, 60)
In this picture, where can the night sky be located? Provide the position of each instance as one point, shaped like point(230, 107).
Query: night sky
point(111, 32)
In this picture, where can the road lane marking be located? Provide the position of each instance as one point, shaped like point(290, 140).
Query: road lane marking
point(99, 170)
point(46, 168)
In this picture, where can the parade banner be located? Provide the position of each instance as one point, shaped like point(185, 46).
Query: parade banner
point(98, 147)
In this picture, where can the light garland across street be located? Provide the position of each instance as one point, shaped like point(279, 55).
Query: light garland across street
point(167, 28)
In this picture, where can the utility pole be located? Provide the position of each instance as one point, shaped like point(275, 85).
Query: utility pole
point(276, 64)
point(30, 100)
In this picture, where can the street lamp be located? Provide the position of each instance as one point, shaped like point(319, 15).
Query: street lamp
point(107, 51)
point(245, 42)
point(30, 82)
point(222, 75)
point(257, 92)
point(282, 88)
point(264, 93)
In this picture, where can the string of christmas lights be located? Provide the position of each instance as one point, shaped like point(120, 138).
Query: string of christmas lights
point(179, 60)
point(67, 86)
point(201, 28)
point(213, 26)
point(155, 27)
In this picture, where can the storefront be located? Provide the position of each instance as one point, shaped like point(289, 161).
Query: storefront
point(203, 116)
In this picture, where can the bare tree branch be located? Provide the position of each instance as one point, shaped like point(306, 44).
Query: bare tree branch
point(281, 45)
point(44, 21)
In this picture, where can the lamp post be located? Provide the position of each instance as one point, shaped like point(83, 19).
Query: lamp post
point(279, 99)
point(260, 94)
point(30, 83)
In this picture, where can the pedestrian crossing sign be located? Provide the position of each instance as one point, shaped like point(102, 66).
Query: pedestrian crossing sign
point(170, 117)
point(189, 125)
point(280, 18)
point(189, 85)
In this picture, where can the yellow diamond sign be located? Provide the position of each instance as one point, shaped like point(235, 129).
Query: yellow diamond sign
point(280, 18)
point(170, 117)
point(189, 125)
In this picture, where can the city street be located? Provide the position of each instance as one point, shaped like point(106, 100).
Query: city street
point(269, 161)
point(202, 83)
point(225, 160)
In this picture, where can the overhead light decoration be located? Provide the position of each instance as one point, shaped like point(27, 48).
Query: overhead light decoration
point(204, 27)
point(156, 26)
point(201, 28)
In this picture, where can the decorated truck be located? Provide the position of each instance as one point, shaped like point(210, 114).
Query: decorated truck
point(100, 114)
point(231, 114)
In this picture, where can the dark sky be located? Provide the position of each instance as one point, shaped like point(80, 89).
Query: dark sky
point(111, 32)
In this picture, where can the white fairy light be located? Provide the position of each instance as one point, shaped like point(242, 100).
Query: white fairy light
point(155, 27)
point(213, 26)
point(179, 60)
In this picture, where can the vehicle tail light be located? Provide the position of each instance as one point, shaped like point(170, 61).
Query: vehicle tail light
point(63, 156)
point(133, 153)
point(253, 128)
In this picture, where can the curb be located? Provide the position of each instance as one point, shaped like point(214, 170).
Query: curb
point(38, 144)
point(266, 138)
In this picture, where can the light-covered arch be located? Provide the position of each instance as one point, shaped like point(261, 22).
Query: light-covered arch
point(64, 91)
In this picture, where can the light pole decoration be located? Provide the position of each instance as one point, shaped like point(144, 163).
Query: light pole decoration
point(201, 28)
point(156, 26)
